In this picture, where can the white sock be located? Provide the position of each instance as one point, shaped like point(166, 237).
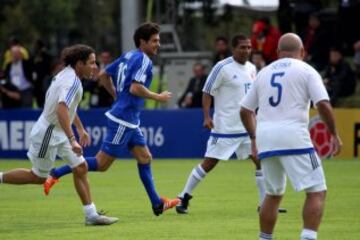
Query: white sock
point(1, 177)
point(196, 175)
point(308, 234)
point(90, 210)
point(260, 186)
point(265, 236)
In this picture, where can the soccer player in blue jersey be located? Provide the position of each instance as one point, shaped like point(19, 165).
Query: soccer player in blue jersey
point(128, 79)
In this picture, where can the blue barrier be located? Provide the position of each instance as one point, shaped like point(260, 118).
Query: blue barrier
point(169, 133)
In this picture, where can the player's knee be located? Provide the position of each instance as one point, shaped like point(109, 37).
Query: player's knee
point(103, 166)
point(145, 158)
point(80, 169)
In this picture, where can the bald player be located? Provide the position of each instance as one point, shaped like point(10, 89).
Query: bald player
point(280, 137)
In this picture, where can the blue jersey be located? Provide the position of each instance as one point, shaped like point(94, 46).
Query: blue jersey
point(131, 66)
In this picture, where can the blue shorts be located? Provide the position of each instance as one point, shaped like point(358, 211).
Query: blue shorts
point(119, 137)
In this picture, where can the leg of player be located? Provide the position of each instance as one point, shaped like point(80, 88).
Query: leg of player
point(143, 157)
point(259, 179)
point(197, 174)
point(100, 163)
point(268, 216)
point(312, 213)
point(20, 176)
point(82, 187)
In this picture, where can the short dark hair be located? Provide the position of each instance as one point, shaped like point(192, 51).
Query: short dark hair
point(237, 38)
point(145, 31)
point(78, 52)
point(222, 38)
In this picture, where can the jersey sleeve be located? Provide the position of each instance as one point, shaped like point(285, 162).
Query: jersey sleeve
point(140, 69)
point(316, 88)
point(251, 99)
point(214, 80)
point(112, 68)
point(68, 92)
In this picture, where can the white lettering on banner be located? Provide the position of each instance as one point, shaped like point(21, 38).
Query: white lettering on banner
point(15, 135)
point(4, 139)
point(97, 134)
point(153, 136)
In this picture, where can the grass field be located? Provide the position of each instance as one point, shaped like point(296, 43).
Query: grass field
point(224, 205)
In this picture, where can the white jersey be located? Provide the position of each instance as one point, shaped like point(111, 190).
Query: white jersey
point(66, 87)
point(282, 92)
point(228, 83)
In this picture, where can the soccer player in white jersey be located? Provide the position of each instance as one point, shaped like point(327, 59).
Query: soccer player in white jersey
point(280, 137)
point(53, 136)
point(228, 83)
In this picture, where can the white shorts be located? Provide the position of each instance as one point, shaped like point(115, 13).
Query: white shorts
point(304, 171)
point(223, 148)
point(42, 151)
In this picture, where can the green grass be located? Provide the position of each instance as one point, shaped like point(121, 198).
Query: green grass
point(224, 206)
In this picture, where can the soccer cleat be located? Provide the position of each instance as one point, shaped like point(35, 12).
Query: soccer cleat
point(165, 205)
point(50, 181)
point(182, 207)
point(280, 210)
point(100, 220)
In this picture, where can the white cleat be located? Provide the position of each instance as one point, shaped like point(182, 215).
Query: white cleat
point(100, 220)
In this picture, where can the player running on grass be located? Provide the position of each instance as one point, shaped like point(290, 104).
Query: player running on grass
point(128, 79)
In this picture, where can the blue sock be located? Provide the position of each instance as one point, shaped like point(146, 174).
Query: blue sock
point(60, 171)
point(66, 169)
point(147, 180)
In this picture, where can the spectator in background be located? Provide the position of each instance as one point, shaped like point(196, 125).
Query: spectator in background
point(258, 60)
point(302, 11)
point(42, 68)
point(347, 19)
point(222, 49)
point(9, 95)
point(316, 43)
point(99, 96)
point(339, 78)
point(8, 56)
point(265, 38)
point(19, 72)
point(192, 97)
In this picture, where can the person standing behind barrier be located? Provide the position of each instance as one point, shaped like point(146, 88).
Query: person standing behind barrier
point(128, 79)
point(192, 97)
point(280, 137)
point(52, 134)
point(19, 72)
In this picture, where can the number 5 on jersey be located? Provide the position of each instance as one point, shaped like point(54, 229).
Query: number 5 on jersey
point(274, 102)
point(121, 77)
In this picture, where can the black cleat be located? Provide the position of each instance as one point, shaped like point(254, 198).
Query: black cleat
point(280, 210)
point(182, 207)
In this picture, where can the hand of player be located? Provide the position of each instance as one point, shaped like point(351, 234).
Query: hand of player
point(164, 96)
point(254, 151)
point(84, 138)
point(337, 144)
point(208, 123)
point(77, 149)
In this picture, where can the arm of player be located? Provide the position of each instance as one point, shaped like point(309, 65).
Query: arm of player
point(105, 80)
point(64, 121)
point(326, 114)
point(140, 90)
point(206, 104)
point(249, 121)
point(84, 137)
